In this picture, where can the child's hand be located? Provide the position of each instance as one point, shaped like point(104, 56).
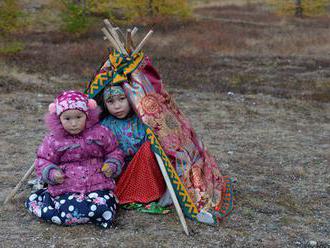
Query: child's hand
point(58, 177)
point(106, 169)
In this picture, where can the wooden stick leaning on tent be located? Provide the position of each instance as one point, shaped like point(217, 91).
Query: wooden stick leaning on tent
point(172, 193)
point(19, 184)
point(172, 180)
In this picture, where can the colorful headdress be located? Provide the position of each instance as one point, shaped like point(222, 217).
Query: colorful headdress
point(69, 100)
point(112, 90)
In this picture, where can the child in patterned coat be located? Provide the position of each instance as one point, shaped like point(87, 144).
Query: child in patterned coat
point(70, 160)
point(141, 181)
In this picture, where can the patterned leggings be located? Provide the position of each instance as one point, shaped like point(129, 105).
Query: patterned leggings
point(97, 207)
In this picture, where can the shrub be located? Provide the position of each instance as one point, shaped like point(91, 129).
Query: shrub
point(74, 16)
point(9, 16)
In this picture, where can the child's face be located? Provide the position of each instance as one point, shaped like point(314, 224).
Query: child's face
point(73, 121)
point(118, 106)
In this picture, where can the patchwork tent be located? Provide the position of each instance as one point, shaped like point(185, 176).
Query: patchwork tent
point(203, 193)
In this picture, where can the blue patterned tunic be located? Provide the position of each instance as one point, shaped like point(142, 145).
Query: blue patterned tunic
point(130, 133)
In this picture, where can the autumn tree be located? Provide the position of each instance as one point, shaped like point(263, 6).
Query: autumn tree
point(298, 8)
point(301, 8)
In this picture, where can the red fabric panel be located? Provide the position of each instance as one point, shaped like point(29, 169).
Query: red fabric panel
point(142, 181)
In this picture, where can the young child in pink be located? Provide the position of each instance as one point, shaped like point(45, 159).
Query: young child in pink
point(70, 160)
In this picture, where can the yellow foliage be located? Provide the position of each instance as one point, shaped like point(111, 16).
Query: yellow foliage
point(9, 15)
point(100, 6)
point(132, 9)
point(309, 7)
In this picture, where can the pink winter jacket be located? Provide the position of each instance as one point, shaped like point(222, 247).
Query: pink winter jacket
point(80, 157)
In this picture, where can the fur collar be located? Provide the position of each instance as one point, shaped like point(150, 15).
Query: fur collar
point(55, 127)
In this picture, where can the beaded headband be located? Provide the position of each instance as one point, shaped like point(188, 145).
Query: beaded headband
point(113, 90)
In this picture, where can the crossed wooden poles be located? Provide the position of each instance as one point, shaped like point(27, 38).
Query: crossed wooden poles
point(112, 34)
point(128, 49)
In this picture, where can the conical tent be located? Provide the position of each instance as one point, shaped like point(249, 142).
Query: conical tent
point(188, 169)
point(203, 192)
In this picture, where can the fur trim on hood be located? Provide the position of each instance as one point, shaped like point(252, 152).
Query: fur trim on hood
point(55, 127)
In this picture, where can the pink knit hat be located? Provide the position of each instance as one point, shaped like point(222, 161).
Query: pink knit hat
point(71, 100)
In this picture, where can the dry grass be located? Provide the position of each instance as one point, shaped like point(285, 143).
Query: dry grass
point(257, 94)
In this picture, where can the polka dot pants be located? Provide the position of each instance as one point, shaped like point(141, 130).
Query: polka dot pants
point(97, 207)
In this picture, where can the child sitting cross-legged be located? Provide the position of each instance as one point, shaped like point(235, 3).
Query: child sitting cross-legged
point(70, 160)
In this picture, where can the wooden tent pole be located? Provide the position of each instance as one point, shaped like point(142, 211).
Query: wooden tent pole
point(138, 48)
point(19, 184)
point(111, 39)
point(114, 34)
point(172, 193)
point(134, 30)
